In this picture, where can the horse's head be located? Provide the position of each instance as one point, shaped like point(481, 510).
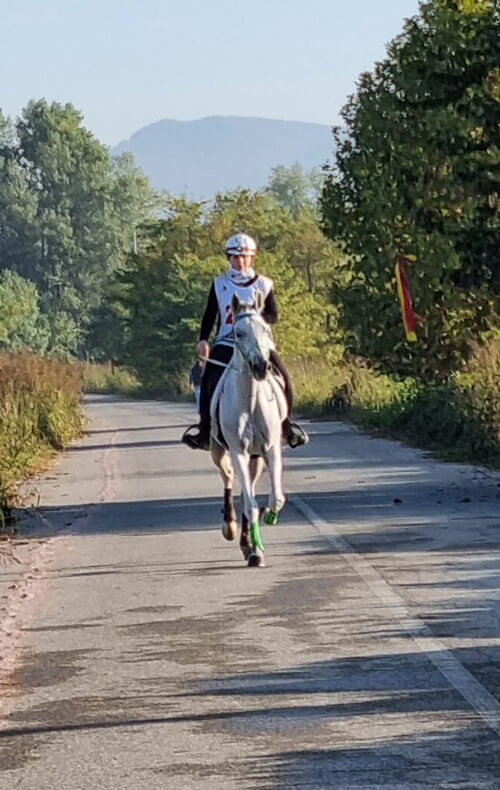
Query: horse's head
point(252, 336)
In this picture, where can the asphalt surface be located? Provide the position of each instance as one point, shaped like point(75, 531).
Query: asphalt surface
point(138, 651)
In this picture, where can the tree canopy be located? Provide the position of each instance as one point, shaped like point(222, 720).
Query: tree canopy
point(417, 172)
point(67, 213)
point(295, 189)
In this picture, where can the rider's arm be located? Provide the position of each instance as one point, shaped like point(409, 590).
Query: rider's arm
point(270, 311)
point(210, 315)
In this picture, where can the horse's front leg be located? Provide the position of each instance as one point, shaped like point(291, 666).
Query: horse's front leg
point(255, 466)
point(242, 469)
point(241, 462)
point(276, 502)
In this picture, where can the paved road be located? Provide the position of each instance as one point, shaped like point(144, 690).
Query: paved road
point(139, 652)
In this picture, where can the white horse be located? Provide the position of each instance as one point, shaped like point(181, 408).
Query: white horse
point(247, 410)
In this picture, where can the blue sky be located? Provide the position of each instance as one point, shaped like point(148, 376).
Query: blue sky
point(128, 63)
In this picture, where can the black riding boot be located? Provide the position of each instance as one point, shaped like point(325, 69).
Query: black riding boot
point(293, 434)
point(200, 439)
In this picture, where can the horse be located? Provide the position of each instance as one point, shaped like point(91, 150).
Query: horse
point(247, 409)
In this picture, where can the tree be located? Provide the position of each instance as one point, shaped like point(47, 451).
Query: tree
point(418, 172)
point(295, 189)
point(21, 325)
point(256, 213)
point(162, 300)
point(18, 203)
point(307, 251)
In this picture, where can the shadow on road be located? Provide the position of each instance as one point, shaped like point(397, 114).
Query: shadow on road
point(402, 688)
point(125, 445)
point(175, 427)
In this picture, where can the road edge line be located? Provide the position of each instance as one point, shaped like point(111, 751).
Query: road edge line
point(480, 699)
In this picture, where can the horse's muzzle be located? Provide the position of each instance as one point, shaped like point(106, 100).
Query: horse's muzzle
point(259, 369)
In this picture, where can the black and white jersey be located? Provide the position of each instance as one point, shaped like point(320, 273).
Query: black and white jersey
point(225, 288)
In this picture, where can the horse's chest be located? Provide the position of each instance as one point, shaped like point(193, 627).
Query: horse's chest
point(252, 430)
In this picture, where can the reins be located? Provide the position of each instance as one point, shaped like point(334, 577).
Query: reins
point(250, 314)
point(214, 361)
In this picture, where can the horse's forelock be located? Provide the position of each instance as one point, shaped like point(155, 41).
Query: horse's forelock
point(246, 307)
point(247, 311)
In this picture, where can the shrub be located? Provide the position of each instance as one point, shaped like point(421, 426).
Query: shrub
point(39, 411)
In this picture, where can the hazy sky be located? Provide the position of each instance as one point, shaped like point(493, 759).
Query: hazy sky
point(128, 63)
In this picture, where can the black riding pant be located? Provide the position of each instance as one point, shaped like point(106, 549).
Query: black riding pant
point(213, 373)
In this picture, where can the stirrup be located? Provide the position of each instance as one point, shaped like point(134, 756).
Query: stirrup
point(296, 436)
point(195, 441)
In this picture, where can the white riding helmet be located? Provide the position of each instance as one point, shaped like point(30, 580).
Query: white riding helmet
point(241, 244)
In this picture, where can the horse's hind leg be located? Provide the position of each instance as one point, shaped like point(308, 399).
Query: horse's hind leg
point(229, 523)
point(223, 461)
point(245, 544)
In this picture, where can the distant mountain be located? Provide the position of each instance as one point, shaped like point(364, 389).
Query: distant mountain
point(201, 157)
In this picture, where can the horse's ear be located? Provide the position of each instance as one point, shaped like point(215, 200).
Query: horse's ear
point(235, 304)
point(259, 301)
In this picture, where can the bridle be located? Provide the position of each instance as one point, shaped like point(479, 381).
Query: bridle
point(254, 317)
point(250, 314)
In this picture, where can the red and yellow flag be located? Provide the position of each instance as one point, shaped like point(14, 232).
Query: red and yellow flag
point(405, 299)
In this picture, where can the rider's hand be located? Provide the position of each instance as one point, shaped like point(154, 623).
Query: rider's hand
point(203, 348)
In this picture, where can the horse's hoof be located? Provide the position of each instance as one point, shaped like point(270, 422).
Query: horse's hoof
point(230, 530)
point(246, 551)
point(256, 560)
point(270, 518)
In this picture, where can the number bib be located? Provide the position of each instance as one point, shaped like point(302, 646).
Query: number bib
point(224, 290)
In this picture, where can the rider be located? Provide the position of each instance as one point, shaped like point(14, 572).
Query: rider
point(242, 280)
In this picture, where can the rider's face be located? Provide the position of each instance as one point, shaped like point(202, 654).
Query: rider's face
point(240, 262)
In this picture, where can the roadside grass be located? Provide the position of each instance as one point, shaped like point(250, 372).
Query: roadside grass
point(106, 378)
point(313, 382)
point(39, 412)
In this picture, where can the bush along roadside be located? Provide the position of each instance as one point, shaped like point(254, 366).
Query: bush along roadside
point(458, 419)
point(40, 412)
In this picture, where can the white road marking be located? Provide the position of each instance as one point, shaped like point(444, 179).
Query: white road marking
point(487, 707)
